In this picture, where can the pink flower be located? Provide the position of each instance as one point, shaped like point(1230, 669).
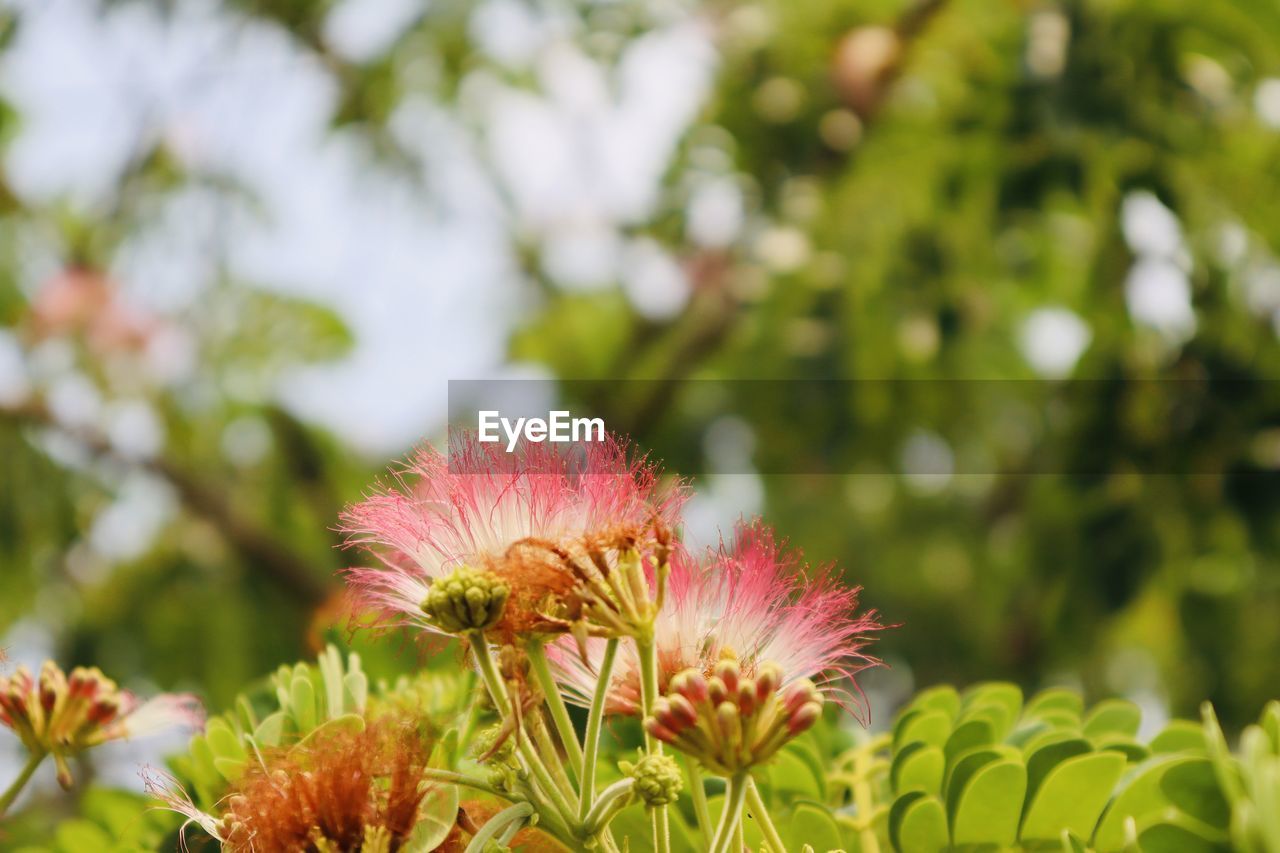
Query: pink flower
point(65, 714)
point(755, 601)
point(480, 504)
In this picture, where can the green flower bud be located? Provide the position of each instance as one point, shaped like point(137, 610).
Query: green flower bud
point(466, 600)
point(658, 780)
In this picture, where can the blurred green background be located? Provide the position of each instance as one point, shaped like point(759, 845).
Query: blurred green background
point(243, 247)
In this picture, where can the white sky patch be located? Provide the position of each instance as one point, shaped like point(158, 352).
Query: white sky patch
point(1266, 101)
point(928, 462)
point(419, 265)
point(1158, 287)
point(1158, 294)
point(127, 528)
point(1052, 341)
point(716, 212)
point(15, 385)
point(361, 30)
point(653, 280)
point(1149, 227)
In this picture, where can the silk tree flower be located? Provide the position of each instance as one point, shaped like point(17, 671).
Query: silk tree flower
point(348, 789)
point(517, 515)
point(754, 601)
point(63, 715)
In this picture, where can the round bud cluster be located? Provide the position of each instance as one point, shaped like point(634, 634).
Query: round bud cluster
point(498, 754)
point(658, 780)
point(466, 600)
point(731, 721)
point(61, 714)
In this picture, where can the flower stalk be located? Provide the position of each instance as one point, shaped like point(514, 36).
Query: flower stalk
point(34, 760)
point(595, 718)
point(734, 795)
point(497, 825)
point(537, 653)
point(755, 803)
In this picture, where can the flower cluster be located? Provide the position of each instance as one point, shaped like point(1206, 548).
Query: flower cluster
point(731, 722)
point(752, 599)
point(63, 715)
point(550, 526)
point(563, 575)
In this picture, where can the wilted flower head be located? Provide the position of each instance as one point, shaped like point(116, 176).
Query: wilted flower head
point(513, 515)
point(348, 790)
point(66, 714)
point(754, 600)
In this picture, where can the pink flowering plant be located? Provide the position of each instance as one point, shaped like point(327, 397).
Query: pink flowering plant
point(563, 575)
point(594, 684)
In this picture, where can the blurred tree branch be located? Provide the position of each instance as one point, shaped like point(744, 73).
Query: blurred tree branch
point(254, 543)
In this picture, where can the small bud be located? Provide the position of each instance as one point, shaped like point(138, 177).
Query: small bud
point(716, 690)
point(730, 722)
point(466, 600)
point(804, 718)
point(664, 714)
point(658, 730)
point(658, 780)
point(727, 671)
point(798, 694)
point(747, 697)
point(691, 685)
point(682, 709)
point(767, 680)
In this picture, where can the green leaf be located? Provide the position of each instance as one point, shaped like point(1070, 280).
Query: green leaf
point(999, 694)
point(1040, 762)
point(1179, 736)
point(436, 818)
point(917, 822)
point(223, 740)
point(966, 737)
point(1169, 837)
point(271, 730)
point(78, 834)
point(941, 698)
point(790, 772)
point(230, 768)
point(1112, 717)
point(1193, 789)
point(302, 701)
point(632, 823)
point(1055, 699)
point(1140, 797)
point(1072, 796)
point(989, 805)
point(918, 767)
point(923, 726)
point(347, 722)
point(811, 824)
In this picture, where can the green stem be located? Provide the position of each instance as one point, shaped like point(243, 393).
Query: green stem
point(648, 655)
point(648, 695)
point(610, 801)
point(498, 692)
point(699, 793)
point(547, 749)
point(761, 813)
point(461, 779)
point(734, 792)
point(865, 800)
point(559, 713)
point(496, 824)
point(24, 776)
point(594, 719)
